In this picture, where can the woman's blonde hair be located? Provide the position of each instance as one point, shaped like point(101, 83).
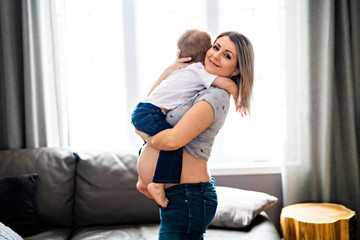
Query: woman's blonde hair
point(245, 79)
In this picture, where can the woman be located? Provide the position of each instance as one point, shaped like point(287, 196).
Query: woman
point(192, 203)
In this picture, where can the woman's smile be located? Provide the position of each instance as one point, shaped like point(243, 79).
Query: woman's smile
point(213, 63)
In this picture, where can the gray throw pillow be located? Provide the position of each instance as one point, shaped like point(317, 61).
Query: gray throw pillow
point(237, 207)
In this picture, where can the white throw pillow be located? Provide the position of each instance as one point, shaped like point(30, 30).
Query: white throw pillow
point(237, 207)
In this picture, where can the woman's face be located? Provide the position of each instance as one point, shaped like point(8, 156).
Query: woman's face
point(221, 59)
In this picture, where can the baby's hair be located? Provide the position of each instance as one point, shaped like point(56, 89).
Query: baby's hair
point(194, 43)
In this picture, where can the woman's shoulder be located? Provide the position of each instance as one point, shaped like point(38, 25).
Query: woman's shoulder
point(219, 95)
point(218, 99)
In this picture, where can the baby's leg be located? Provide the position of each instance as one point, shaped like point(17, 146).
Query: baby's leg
point(157, 190)
point(142, 188)
point(168, 162)
point(146, 168)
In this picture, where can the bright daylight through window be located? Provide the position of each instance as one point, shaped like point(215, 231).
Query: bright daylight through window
point(112, 51)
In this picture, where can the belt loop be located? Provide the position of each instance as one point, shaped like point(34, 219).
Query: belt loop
point(202, 187)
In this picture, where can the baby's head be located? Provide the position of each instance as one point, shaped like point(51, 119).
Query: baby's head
point(194, 43)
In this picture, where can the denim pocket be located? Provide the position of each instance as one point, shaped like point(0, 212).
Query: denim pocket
point(174, 218)
point(144, 122)
point(210, 206)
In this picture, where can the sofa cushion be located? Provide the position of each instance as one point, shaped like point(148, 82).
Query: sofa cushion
point(123, 232)
point(17, 203)
point(55, 186)
point(260, 228)
point(52, 234)
point(106, 193)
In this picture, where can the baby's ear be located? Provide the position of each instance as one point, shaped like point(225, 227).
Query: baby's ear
point(178, 54)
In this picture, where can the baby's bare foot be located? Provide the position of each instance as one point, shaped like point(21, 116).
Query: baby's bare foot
point(142, 188)
point(158, 192)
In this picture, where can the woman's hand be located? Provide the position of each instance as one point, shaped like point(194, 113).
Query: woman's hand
point(142, 135)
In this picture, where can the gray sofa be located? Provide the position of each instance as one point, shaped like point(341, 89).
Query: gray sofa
point(93, 196)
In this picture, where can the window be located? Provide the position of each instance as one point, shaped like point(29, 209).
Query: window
point(92, 70)
point(113, 51)
point(258, 138)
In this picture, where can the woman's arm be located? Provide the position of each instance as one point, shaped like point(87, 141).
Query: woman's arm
point(195, 120)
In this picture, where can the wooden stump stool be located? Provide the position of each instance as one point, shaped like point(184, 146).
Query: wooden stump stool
point(318, 221)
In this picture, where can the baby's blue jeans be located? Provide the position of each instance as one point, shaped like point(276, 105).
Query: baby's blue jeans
point(150, 119)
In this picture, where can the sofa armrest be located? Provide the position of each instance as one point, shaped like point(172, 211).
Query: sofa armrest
point(55, 185)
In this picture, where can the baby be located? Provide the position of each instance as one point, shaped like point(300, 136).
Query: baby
point(149, 115)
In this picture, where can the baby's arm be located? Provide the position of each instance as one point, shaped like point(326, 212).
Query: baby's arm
point(228, 85)
point(178, 64)
point(160, 79)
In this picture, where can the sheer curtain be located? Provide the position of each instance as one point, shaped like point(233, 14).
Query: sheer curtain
point(29, 98)
point(323, 75)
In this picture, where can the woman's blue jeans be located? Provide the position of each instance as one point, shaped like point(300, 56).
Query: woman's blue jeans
point(191, 208)
point(151, 120)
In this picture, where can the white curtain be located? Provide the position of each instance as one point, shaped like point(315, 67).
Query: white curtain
point(297, 99)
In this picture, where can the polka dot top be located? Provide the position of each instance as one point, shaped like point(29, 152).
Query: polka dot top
point(200, 147)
